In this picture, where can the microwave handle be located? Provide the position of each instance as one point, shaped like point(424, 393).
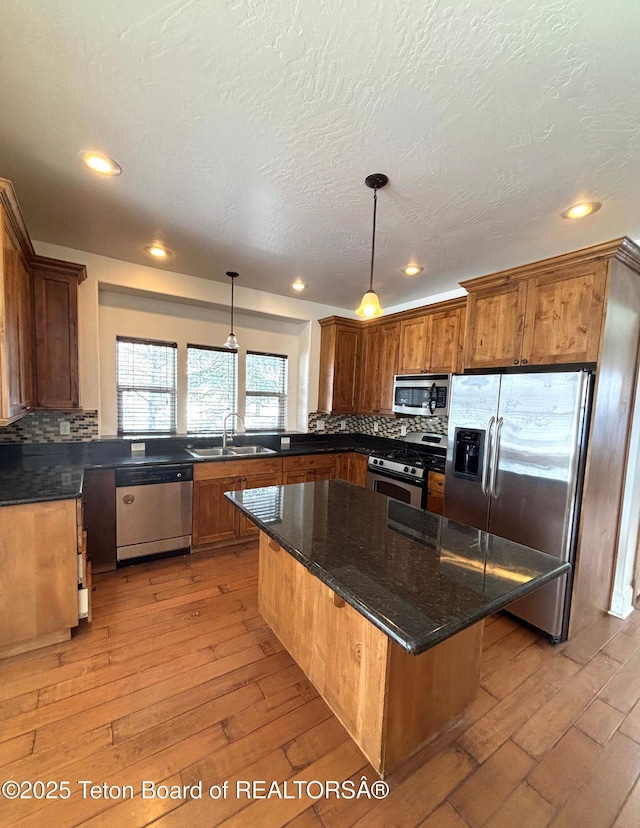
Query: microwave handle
point(433, 397)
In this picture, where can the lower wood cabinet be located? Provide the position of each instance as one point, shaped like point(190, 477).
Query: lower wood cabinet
point(214, 518)
point(43, 563)
point(352, 466)
point(435, 492)
point(305, 468)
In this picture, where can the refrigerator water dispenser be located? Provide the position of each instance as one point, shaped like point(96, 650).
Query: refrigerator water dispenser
point(468, 450)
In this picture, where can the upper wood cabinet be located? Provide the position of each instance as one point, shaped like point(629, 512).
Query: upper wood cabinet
point(55, 288)
point(339, 354)
point(551, 317)
point(380, 343)
point(16, 324)
point(38, 321)
point(432, 343)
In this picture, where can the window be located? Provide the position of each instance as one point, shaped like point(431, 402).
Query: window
point(211, 387)
point(146, 376)
point(266, 404)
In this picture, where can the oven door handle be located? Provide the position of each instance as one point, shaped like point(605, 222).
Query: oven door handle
point(485, 460)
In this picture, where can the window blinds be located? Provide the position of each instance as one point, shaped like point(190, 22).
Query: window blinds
point(266, 395)
point(211, 387)
point(146, 378)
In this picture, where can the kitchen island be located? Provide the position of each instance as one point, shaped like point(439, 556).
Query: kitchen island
point(382, 605)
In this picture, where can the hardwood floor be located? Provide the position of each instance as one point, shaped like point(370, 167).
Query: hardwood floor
point(178, 681)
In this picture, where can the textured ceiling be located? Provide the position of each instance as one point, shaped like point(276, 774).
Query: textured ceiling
point(245, 130)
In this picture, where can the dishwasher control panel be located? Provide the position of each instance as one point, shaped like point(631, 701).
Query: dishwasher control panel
point(152, 475)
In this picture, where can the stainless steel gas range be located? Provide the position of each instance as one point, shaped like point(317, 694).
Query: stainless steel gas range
point(402, 473)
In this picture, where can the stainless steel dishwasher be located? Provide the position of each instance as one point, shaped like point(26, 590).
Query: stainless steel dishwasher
point(153, 511)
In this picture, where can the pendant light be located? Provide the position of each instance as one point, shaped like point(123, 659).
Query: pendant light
point(370, 305)
point(232, 342)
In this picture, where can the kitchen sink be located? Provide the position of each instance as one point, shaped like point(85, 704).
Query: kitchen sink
point(230, 451)
point(210, 452)
point(250, 450)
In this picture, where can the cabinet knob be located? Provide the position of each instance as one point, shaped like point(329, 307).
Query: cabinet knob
point(524, 361)
point(516, 361)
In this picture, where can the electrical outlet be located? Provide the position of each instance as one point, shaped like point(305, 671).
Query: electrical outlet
point(65, 428)
point(319, 425)
point(376, 427)
point(137, 448)
point(403, 429)
point(343, 425)
point(285, 443)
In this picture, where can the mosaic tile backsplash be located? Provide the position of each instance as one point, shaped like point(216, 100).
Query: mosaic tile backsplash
point(390, 426)
point(44, 427)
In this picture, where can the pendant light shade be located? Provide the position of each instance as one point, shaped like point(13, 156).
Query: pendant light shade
point(370, 305)
point(232, 342)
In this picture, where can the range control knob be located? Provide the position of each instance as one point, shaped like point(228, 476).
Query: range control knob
point(406, 469)
point(381, 462)
point(413, 471)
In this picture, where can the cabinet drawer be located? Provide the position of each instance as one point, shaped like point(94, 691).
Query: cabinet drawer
point(308, 461)
point(232, 468)
point(436, 482)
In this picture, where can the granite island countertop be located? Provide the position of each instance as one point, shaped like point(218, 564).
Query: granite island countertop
point(417, 576)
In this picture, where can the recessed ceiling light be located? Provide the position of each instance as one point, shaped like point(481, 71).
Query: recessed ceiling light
point(298, 285)
point(100, 163)
point(159, 251)
point(580, 210)
point(412, 270)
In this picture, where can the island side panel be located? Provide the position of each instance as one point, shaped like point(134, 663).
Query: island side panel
point(342, 654)
point(429, 692)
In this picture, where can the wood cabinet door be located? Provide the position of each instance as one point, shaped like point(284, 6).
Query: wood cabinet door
point(369, 386)
point(495, 321)
point(380, 344)
point(345, 387)
point(339, 363)
point(343, 469)
point(298, 477)
point(413, 345)
point(441, 355)
point(388, 368)
point(11, 405)
point(564, 315)
point(27, 355)
point(246, 527)
point(358, 468)
point(55, 296)
point(214, 518)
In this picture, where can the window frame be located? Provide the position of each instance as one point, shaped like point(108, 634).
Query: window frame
point(172, 391)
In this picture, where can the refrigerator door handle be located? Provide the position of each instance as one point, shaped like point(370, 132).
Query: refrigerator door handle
point(494, 461)
point(485, 461)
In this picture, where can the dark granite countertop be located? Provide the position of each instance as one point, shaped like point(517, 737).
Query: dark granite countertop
point(418, 577)
point(55, 471)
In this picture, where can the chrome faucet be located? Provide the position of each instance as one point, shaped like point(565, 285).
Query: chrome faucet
point(224, 426)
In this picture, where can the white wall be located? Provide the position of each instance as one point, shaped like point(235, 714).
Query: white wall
point(157, 300)
point(130, 315)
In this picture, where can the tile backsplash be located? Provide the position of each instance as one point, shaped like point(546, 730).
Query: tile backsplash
point(44, 427)
point(390, 426)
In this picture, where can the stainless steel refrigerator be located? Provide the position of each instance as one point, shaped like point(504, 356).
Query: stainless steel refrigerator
point(515, 462)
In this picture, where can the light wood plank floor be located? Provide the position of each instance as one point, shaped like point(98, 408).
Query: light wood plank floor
point(178, 680)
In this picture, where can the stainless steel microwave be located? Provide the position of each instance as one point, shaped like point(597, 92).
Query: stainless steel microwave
point(423, 394)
